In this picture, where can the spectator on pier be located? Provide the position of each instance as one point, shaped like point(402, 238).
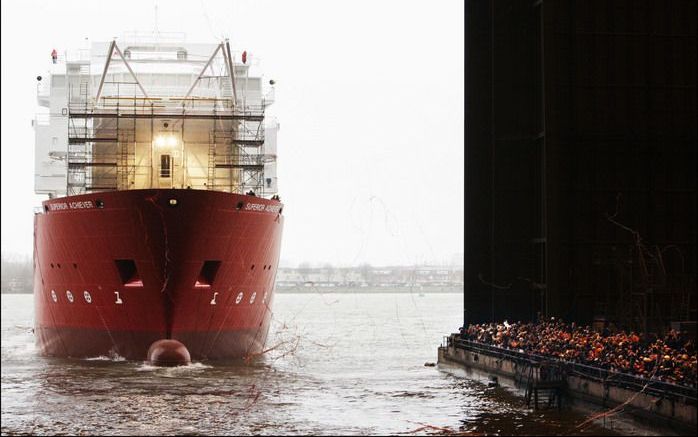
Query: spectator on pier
point(671, 359)
point(54, 55)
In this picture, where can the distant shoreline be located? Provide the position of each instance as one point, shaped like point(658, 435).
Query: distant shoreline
point(346, 290)
point(336, 290)
point(17, 292)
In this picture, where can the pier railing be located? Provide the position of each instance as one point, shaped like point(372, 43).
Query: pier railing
point(654, 387)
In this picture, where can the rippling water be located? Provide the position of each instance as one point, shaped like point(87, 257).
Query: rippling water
point(343, 364)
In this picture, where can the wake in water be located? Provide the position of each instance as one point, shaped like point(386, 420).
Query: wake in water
point(115, 358)
point(195, 366)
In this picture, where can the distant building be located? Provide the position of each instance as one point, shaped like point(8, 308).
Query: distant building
point(369, 277)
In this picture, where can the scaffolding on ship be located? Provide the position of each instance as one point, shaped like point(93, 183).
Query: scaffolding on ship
point(106, 122)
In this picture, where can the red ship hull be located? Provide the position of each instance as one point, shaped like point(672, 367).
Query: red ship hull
point(116, 271)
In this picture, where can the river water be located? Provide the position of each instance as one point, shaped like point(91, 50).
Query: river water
point(343, 364)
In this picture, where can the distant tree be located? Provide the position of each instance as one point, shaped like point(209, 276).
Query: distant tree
point(345, 275)
point(328, 269)
point(17, 275)
point(304, 269)
point(365, 269)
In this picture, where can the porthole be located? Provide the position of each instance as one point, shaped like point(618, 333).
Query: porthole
point(86, 295)
point(252, 297)
point(51, 265)
point(54, 296)
point(69, 295)
point(252, 268)
point(239, 298)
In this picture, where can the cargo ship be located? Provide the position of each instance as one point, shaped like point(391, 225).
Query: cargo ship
point(162, 219)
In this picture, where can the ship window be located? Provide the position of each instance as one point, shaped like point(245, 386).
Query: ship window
point(165, 166)
point(207, 274)
point(128, 273)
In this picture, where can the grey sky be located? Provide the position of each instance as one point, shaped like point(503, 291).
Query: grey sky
point(369, 96)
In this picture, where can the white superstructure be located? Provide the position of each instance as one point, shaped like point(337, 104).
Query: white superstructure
point(134, 114)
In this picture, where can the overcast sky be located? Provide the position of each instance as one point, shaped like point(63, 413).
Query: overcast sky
point(369, 97)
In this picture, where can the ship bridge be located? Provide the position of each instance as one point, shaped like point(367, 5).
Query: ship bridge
point(141, 113)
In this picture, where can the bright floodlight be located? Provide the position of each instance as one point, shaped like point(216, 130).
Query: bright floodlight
point(165, 141)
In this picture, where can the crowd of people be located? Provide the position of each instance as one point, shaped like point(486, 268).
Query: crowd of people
point(670, 359)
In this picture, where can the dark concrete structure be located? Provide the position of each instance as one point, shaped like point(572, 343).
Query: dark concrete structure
point(667, 409)
point(580, 174)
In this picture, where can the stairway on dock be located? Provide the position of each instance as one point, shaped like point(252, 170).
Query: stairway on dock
point(545, 387)
point(545, 394)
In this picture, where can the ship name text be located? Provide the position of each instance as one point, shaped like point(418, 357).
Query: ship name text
point(262, 207)
point(59, 206)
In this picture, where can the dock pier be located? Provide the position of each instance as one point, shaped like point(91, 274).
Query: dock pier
point(545, 383)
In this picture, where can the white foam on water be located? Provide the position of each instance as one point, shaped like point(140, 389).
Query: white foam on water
point(99, 358)
point(113, 357)
point(147, 367)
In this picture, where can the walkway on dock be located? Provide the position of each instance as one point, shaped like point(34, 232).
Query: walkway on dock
point(653, 387)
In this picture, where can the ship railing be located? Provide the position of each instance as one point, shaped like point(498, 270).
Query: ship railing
point(269, 97)
point(73, 56)
point(42, 119)
point(245, 160)
point(38, 210)
point(78, 159)
point(249, 134)
point(88, 132)
point(209, 103)
point(607, 376)
point(251, 61)
point(167, 100)
point(60, 59)
point(79, 55)
point(202, 92)
point(43, 87)
point(156, 106)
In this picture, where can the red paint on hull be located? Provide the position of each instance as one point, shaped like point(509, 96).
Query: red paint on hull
point(77, 245)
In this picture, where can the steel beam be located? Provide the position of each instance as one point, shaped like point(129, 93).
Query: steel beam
point(104, 72)
point(129, 69)
point(203, 70)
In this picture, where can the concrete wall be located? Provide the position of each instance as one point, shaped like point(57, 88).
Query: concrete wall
point(580, 391)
